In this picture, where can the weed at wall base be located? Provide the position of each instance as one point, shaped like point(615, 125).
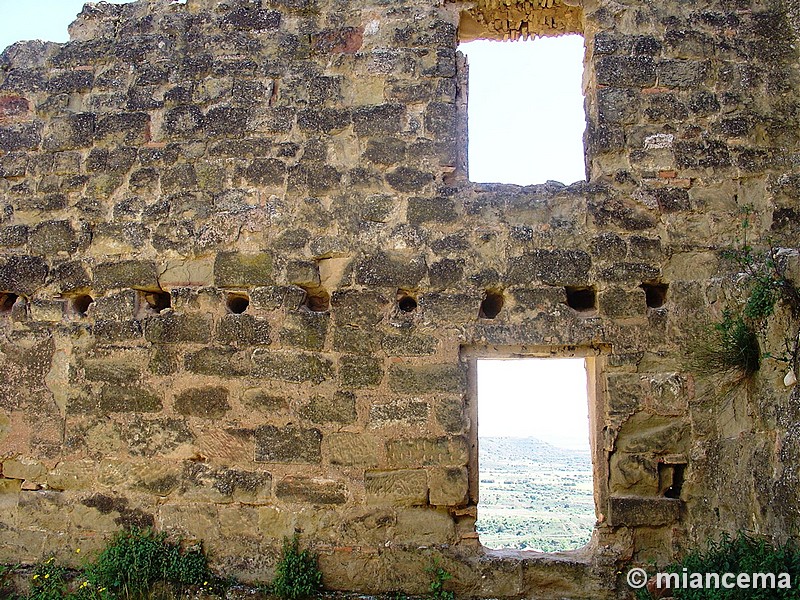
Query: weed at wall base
point(297, 574)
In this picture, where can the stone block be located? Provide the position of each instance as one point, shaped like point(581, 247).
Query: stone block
point(626, 511)
point(354, 340)
point(551, 267)
point(243, 329)
point(442, 451)
point(448, 486)
point(407, 412)
point(311, 490)
point(288, 444)
point(618, 303)
point(23, 274)
point(340, 408)
point(357, 308)
point(441, 119)
point(396, 271)
point(208, 402)
point(427, 378)
point(409, 345)
point(626, 71)
point(408, 487)
point(630, 273)
point(126, 274)
point(195, 521)
point(305, 329)
point(424, 526)
point(222, 362)
point(175, 328)
point(266, 172)
point(409, 179)
point(431, 210)
point(303, 273)
point(352, 449)
point(237, 521)
point(292, 366)
point(21, 136)
point(73, 475)
point(51, 237)
point(648, 433)
point(262, 401)
point(276, 523)
point(450, 414)
point(9, 497)
point(236, 269)
point(451, 308)
point(359, 371)
point(119, 398)
point(156, 436)
point(22, 468)
point(116, 306)
point(113, 370)
point(633, 474)
point(625, 393)
point(46, 310)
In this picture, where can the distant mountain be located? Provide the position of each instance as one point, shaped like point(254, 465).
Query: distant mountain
point(496, 452)
point(534, 495)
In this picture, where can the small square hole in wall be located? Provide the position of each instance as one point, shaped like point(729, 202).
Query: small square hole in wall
point(237, 303)
point(670, 479)
point(655, 294)
point(317, 299)
point(7, 300)
point(536, 484)
point(491, 305)
point(525, 110)
point(79, 305)
point(581, 299)
point(152, 303)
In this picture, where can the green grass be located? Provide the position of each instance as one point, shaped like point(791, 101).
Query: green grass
point(739, 554)
point(728, 347)
point(297, 575)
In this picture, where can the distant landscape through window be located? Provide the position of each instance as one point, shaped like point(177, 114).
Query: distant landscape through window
point(535, 468)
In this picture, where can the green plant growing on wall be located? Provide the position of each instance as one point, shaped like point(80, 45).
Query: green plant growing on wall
point(730, 346)
point(297, 574)
point(6, 590)
point(136, 559)
point(48, 581)
point(733, 345)
point(739, 554)
point(439, 576)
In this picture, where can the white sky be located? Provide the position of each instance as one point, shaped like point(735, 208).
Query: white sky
point(526, 117)
point(38, 19)
point(545, 398)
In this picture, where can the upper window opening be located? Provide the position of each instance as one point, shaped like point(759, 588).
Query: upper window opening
point(526, 116)
point(536, 489)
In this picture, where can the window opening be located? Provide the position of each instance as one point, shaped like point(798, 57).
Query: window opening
point(536, 488)
point(525, 105)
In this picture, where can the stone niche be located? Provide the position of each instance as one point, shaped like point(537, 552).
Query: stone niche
point(244, 280)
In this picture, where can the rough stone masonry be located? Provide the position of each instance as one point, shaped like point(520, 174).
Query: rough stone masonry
point(245, 279)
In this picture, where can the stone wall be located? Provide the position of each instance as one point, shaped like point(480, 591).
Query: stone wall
point(245, 280)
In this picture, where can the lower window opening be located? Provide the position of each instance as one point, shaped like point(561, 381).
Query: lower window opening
point(536, 488)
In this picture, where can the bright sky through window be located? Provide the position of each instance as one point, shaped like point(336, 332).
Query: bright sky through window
point(543, 398)
point(526, 117)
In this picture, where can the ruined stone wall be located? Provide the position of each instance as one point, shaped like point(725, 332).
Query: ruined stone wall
point(245, 280)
